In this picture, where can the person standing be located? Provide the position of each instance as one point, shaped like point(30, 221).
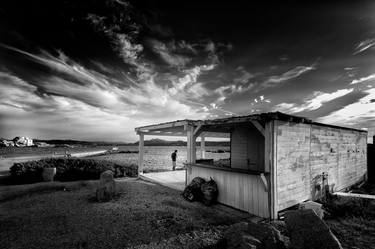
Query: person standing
point(174, 157)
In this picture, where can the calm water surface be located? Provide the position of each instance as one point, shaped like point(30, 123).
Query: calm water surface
point(155, 157)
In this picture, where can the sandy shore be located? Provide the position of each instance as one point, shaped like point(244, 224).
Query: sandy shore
point(6, 163)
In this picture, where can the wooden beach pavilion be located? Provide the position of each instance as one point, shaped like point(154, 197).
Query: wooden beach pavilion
point(276, 160)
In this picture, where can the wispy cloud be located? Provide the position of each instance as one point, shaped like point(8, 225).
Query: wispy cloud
point(291, 74)
point(276, 80)
point(168, 52)
point(312, 103)
point(188, 83)
point(358, 114)
point(363, 79)
point(73, 88)
point(364, 45)
point(244, 76)
point(261, 99)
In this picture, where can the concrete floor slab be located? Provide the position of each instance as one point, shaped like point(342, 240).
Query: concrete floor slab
point(171, 179)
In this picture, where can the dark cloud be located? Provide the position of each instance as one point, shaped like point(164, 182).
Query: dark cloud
point(79, 63)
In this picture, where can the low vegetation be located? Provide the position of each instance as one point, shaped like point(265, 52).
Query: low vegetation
point(141, 214)
point(352, 220)
point(68, 169)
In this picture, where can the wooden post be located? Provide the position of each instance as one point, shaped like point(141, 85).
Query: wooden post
point(140, 153)
point(270, 166)
point(191, 154)
point(203, 147)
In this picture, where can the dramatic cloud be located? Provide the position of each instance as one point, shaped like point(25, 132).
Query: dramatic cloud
point(84, 89)
point(276, 80)
point(97, 70)
point(313, 103)
point(363, 79)
point(291, 74)
point(364, 45)
point(358, 114)
point(168, 53)
point(226, 91)
point(259, 100)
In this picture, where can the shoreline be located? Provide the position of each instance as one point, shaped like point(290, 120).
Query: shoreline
point(6, 163)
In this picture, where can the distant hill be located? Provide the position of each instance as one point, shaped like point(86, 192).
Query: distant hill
point(151, 142)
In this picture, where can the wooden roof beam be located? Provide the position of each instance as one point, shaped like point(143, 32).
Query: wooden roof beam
point(258, 126)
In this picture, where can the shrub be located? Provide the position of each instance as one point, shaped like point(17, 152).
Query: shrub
point(69, 169)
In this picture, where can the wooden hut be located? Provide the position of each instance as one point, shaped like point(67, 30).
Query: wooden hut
point(276, 160)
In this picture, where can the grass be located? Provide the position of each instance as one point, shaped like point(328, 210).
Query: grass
point(142, 213)
point(352, 220)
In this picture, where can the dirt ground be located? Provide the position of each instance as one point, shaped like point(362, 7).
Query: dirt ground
point(67, 216)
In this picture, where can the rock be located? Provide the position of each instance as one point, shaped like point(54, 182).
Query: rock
point(307, 230)
point(23, 141)
point(269, 235)
point(316, 207)
point(237, 237)
point(250, 242)
point(6, 143)
point(107, 188)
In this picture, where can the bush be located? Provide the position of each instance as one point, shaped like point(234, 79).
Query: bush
point(69, 169)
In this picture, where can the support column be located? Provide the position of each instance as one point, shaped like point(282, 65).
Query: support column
point(140, 153)
point(203, 147)
point(191, 154)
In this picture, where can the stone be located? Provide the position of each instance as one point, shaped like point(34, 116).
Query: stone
point(250, 242)
point(6, 143)
point(316, 207)
point(23, 141)
point(267, 234)
point(234, 233)
point(237, 237)
point(307, 230)
point(107, 188)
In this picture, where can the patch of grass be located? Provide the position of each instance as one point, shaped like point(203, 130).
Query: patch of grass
point(352, 221)
point(141, 214)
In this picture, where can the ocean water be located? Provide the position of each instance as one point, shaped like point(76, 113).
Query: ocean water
point(155, 157)
point(159, 157)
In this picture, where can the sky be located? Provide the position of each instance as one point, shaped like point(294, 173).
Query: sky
point(95, 70)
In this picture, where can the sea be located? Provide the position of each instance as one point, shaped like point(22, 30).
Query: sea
point(155, 157)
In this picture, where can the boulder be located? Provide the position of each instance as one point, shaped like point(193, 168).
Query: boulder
point(307, 230)
point(23, 141)
point(6, 143)
point(237, 237)
point(316, 207)
point(107, 188)
point(267, 234)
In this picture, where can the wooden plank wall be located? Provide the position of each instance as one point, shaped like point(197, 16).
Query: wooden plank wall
point(242, 191)
point(341, 153)
point(292, 162)
point(371, 162)
point(247, 148)
point(305, 151)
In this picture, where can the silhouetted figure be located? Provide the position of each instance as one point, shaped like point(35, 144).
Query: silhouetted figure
point(174, 157)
